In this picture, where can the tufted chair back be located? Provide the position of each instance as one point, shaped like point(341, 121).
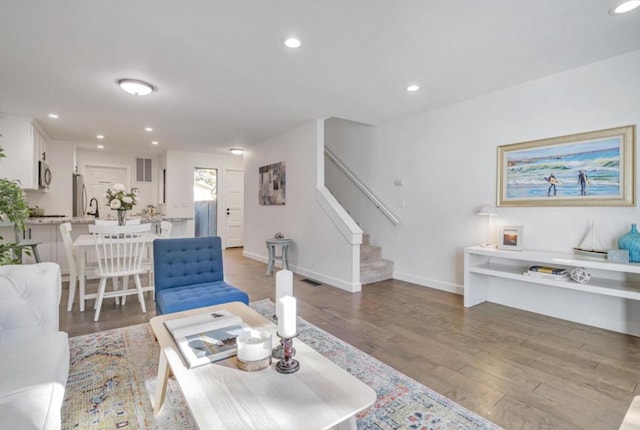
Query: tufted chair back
point(29, 299)
point(187, 261)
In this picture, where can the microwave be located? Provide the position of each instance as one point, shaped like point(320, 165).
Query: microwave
point(44, 175)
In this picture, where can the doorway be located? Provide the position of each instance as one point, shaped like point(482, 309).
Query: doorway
point(205, 196)
point(234, 198)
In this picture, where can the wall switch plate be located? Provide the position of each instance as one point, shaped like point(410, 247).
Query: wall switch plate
point(398, 182)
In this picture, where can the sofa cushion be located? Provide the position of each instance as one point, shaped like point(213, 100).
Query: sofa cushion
point(29, 297)
point(196, 296)
point(33, 375)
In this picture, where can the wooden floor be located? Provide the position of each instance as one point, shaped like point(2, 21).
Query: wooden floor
point(518, 369)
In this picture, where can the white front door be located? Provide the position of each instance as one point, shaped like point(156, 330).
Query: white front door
point(98, 179)
point(234, 208)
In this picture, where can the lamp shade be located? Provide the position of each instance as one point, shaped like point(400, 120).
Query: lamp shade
point(488, 211)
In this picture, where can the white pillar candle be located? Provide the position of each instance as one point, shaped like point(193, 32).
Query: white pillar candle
point(254, 345)
point(286, 310)
point(284, 286)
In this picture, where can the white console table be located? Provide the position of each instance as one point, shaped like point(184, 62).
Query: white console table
point(610, 300)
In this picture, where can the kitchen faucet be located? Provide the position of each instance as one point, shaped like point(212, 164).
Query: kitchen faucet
point(96, 213)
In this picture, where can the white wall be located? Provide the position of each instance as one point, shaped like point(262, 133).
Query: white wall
point(57, 199)
point(446, 159)
point(180, 166)
point(320, 251)
point(147, 191)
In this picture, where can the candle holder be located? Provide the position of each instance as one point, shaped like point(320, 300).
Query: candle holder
point(288, 364)
point(278, 351)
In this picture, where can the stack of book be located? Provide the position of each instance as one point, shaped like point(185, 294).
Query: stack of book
point(555, 273)
point(207, 337)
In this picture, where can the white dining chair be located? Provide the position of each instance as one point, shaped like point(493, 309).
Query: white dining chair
point(120, 252)
point(91, 270)
point(132, 221)
point(106, 221)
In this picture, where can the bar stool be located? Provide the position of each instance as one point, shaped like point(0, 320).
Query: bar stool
point(28, 244)
point(271, 246)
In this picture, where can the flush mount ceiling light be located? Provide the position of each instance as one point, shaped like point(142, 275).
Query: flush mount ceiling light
point(237, 151)
point(54, 115)
point(148, 129)
point(155, 142)
point(292, 42)
point(100, 136)
point(136, 87)
point(412, 88)
point(100, 146)
point(624, 7)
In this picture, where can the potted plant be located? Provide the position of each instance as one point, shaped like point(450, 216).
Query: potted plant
point(13, 209)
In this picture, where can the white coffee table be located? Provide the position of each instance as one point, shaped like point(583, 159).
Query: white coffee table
point(320, 395)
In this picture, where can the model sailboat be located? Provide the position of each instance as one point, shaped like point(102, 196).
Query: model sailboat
point(590, 245)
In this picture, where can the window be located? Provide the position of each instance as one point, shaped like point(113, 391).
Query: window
point(143, 169)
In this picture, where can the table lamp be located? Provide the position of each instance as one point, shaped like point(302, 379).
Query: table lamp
point(489, 211)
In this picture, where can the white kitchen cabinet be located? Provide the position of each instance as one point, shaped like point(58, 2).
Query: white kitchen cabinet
point(45, 236)
point(21, 142)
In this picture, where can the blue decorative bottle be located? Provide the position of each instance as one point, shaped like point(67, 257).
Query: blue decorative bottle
point(631, 242)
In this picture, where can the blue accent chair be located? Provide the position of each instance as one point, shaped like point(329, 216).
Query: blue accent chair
point(188, 274)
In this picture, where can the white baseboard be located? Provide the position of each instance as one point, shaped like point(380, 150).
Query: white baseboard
point(431, 283)
point(352, 287)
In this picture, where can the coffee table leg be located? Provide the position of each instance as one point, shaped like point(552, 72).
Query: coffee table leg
point(161, 383)
point(348, 424)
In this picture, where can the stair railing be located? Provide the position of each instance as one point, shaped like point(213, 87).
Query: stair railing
point(362, 187)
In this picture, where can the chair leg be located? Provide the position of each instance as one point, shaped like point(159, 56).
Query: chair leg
point(72, 290)
point(125, 286)
point(136, 278)
point(115, 288)
point(36, 255)
point(100, 296)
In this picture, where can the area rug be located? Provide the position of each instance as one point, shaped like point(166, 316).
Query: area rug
point(112, 381)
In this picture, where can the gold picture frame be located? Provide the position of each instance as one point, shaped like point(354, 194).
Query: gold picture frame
point(595, 168)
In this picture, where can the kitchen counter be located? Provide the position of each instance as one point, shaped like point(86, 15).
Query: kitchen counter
point(90, 219)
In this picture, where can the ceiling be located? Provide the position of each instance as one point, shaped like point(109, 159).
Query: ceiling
point(224, 78)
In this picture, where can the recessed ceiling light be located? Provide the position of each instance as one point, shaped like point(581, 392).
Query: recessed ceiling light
point(53, 115)
point(155, 142)
point(136, 87)
point(100, 136)
point(148, 129)
point(100, 146)
point(237, 151)
point(412, 88)
point(292, 42)
point(624, 7)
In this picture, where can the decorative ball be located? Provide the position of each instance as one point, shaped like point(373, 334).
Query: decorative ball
point(278, 236)
point(580, 274)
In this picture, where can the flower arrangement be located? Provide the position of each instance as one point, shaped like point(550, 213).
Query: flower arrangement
point(119, 199)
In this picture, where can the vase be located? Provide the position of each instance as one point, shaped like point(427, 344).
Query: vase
point(631, 242)
point(122, 217)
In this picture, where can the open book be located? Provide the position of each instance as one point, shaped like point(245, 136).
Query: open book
point(207, 337)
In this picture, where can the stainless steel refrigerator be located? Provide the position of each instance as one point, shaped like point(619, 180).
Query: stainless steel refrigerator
point(79, 196)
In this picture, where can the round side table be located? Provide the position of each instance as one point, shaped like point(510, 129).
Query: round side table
point(271, 246)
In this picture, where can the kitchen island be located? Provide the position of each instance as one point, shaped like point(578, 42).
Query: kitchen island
point(46, 231)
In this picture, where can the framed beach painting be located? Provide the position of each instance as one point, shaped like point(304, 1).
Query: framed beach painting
point(586, 169)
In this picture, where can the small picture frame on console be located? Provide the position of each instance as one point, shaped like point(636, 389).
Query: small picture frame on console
point(510, 237)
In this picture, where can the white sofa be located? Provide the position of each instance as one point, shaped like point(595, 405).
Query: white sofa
point(34, 355)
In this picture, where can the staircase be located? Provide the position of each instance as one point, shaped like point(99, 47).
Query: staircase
point(373, 267)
